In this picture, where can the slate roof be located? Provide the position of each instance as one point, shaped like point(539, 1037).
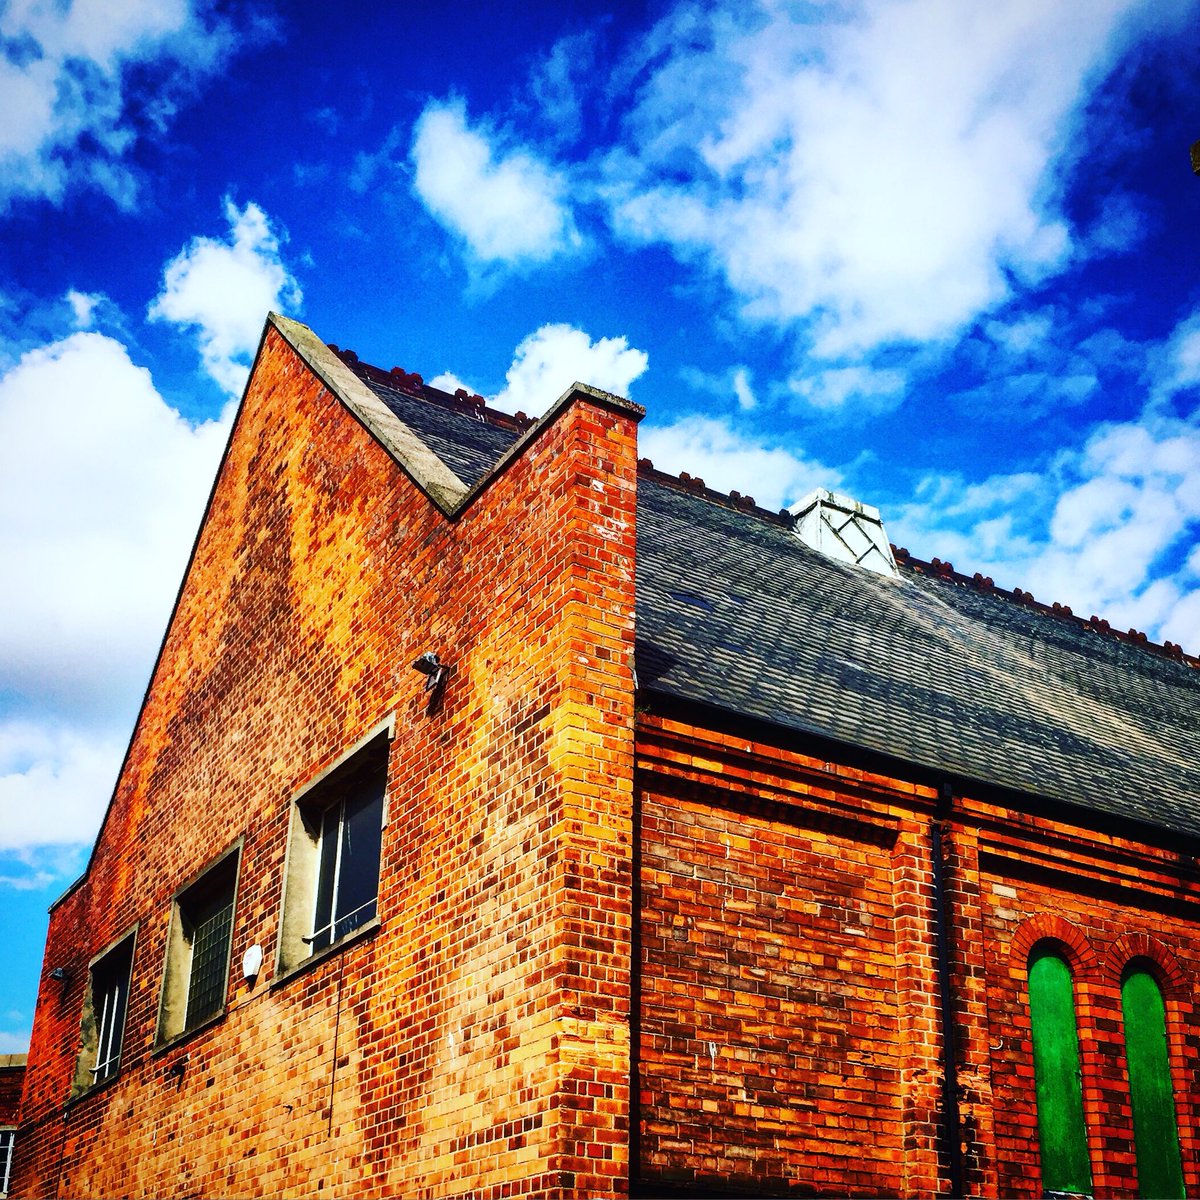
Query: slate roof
point(733, 611)
point(466, 443)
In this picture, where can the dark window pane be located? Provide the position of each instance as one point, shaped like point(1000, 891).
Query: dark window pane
point(210, 957)
point(348, 859)
point(331, 829)
point(358, 876)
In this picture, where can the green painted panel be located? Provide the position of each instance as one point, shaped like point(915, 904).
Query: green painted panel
point(1061, 1129)
point(1155, 1133)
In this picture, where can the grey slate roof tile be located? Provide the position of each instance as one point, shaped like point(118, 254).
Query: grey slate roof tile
point(735, 612)
point(918, 668)
point(466, 444)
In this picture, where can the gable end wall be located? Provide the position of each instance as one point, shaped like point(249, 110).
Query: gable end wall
point(475, 1042)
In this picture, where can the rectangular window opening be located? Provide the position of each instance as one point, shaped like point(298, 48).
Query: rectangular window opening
point(7, 1139)
point(105, 1006)
point(196, 975)
point(332, 884)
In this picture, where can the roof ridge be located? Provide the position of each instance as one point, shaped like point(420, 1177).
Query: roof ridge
point(935, 568)
point(412, 384)
point(474, 405)
point(734, 500)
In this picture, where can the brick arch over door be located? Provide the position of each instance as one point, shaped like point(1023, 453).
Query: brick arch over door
point(1054, 931)
point(1164, 964)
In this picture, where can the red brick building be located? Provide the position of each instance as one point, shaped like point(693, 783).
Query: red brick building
point(505, 818)
point(12, 1076)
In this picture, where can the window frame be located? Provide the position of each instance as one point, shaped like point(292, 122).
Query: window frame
point(218, 878)
point(8, 1141)
point(296, 946)
point(88, 1064)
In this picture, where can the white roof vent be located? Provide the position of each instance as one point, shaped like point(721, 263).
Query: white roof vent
point(842, 528)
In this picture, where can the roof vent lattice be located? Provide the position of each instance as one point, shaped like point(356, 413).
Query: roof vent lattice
point(843, 529)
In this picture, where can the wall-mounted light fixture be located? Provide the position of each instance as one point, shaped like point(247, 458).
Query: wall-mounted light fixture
point(434, 670)
point(60, 974)
point(177, 1069)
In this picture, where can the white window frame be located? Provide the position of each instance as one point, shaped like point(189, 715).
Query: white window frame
point(8, 1139)
point(300, 941)
point(104, 1018)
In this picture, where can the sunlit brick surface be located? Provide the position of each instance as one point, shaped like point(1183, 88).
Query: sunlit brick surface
point(477, 1043)
point(620, 946)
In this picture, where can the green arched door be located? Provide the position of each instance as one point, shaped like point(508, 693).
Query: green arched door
point(1155, 1132)
point(1061, 1130)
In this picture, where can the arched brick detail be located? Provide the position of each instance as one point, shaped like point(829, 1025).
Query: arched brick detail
point(1049, 927)
point(1164, 965)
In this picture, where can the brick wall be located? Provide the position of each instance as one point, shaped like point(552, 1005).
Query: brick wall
point(12, 1076)
point(477, 1041)
point(776, 999)
point(1102, 906)
point(788, 1038)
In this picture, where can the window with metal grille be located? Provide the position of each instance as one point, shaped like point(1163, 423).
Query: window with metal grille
point(212, 926)
point(332, 885)
point(105, 1005)
point(198, 946)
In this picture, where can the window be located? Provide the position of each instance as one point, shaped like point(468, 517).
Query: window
point(332, 883)
point(7, 1137)
point(197, 967)
point(104, 1007)
point(1061, 1130)
point(1155, 1132)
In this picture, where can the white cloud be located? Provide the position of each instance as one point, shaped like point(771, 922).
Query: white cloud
point(449, 382)
point(1026, 332)
point(838, 387)
point(54, 787)
point(102, 486)
point(557, 82)
point(728, 460)
point(880, 173)
point(83, 306)
point(508, 207)
point(553, 357)
point(69, 118)
point(1181, 357)
point(224, 290)
point(743, 390)
point(1108, 529)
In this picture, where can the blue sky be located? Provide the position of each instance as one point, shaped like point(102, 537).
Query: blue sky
point(938, 255)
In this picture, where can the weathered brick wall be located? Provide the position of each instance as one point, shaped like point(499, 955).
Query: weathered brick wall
point(778, 1049)
point(781, 974)
point(1103, 905)
point(12, 1076)
point(783, 1043)
point(477, 1042)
